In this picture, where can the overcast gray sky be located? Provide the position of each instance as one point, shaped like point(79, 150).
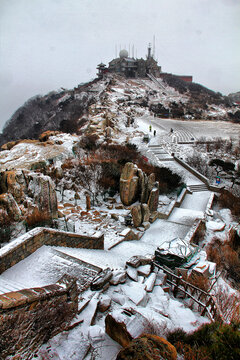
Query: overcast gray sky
point(48, 44)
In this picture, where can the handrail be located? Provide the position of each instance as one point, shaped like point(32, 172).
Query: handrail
point(208, 303)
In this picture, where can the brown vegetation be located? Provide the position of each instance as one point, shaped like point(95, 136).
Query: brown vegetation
point(199, 281)
point(228, 200)
point(226, 258)
point(98, 169)
point(229, 304)
point(209, 342)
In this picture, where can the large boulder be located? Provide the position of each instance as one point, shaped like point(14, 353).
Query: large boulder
point(116, 328)
point(15, 183)
point(135, 185)
point(151, 182)
point(148, 347)
point(41, 188)
point(129, 184)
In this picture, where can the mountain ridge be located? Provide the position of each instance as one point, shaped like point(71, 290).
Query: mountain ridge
point(68, 110)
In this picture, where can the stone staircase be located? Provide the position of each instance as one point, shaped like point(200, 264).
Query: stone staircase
point(198, 187)
point(83, 271)
point(160, 153)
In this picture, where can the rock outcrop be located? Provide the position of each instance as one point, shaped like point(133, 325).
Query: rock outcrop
point(24, 194)
point(135, 185)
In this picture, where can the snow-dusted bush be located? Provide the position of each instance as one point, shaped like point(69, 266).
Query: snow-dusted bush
point(226, 259)
point(209, 342)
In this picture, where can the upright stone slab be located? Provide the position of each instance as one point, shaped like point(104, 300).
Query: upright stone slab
point(151, 182)
point(136, 215)
point(129, 184)
point(143, 186)
point(153, 199)
point(145, 213)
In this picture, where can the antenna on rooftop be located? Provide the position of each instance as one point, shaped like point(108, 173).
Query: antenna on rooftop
point(153, 46)
point(133, 51)
point(115, 51)
point(129, 50)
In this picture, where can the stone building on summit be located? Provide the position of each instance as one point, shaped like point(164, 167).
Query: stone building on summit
point(132, 68)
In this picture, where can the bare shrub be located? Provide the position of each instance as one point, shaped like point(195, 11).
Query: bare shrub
point(198, 163)
point(226, 258)
point(166, 178)
point(229, 304)
point(229, 200)
point(199, 281)
point(89, 142)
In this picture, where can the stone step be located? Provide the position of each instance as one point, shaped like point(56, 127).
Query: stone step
point(7, 285)
point(198, 187)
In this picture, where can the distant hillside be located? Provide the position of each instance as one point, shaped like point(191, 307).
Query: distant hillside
point(54, 111)
point(199, 93)
point(235, 96)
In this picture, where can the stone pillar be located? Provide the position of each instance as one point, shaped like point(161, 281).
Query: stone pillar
point(88, 202)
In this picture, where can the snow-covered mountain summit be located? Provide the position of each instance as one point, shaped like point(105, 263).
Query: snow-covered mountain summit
point(70, 110)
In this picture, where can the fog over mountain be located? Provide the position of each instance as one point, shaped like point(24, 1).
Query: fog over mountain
point(48, 44)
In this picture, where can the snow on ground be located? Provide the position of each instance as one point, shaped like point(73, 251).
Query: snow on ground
point(46, 266)
point(185, 216)
point(196, 201)
point(158, 314)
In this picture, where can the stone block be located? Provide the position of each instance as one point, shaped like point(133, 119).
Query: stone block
point(153, 217)
point(146, 225)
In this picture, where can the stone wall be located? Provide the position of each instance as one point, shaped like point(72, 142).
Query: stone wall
point(26, 244)
point(32, 316)
point(196, 233)
point(192, 171)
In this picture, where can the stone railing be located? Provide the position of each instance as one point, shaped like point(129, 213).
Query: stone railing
point(181, 197)
point(26, 244)
point(193, 171)
point(31, 317)
point(206, 303)
point(201, 177)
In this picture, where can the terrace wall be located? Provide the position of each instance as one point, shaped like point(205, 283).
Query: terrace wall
point(26, 244)
point(31, 317)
